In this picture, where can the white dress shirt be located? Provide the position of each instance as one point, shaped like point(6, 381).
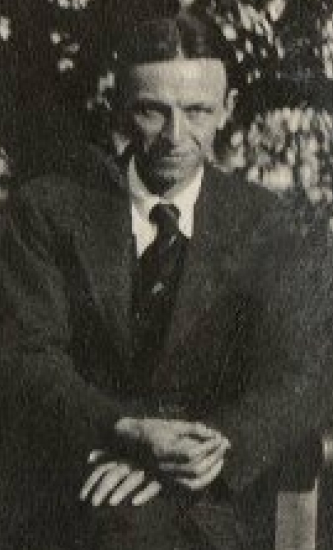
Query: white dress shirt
point(183, 196)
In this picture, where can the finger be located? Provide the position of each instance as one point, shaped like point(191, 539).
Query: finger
point(201, 482)
point(225, 444)
point(95, 455)
point(147, 494)
point(203, 466)
point(108, 483)
point(196, 467)
point(195, 429)
point(204, 449)
point(94, 478)
point(132, 482)
point(186, 449)
point(178, 450)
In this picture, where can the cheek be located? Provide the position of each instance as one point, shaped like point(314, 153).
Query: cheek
point(204, 135)
point(146, 132)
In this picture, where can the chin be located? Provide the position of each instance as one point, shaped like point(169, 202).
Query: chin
point(173, 176)
point(168, 180)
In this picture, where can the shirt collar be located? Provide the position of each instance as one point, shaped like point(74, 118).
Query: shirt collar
point(183, 195)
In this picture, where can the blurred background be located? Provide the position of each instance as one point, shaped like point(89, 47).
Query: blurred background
point(56, 90)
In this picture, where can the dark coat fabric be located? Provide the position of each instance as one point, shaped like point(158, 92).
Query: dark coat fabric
point(248, 351)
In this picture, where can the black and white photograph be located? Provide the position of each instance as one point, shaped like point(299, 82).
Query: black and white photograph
point(166, 275)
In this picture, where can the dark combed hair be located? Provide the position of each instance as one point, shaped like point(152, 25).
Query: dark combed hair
point(151, 31)
point(166, 38)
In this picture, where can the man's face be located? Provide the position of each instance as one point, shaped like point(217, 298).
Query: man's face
point(174, 109)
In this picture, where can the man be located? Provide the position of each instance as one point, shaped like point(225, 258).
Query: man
point(155, 362)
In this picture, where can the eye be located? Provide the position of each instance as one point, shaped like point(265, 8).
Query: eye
point(147, 110)
point(198, 111)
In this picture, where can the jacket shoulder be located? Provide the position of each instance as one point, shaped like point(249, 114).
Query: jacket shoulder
point(78, 181)
point(238, 188)
point(250, 208)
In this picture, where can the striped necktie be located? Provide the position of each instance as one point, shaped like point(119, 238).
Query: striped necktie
point(160, 259)
point(156, 283)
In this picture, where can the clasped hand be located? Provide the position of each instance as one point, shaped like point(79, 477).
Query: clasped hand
point(187, 454)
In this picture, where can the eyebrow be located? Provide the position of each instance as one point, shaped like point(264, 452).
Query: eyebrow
point(205, 106)
point(160, 105)
point(147, 101)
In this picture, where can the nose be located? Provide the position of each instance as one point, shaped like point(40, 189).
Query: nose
point(174, 129)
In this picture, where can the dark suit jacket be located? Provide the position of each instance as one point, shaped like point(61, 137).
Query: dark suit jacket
point(248, 349)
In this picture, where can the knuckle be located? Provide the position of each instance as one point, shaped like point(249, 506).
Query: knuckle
point(197, 468)
point(159, 450)
point(199, 426)
point(100, 470)
point(190, 452)
point(107, 481)
point(179, 424)
point(103, 468)
point(187, 453)
point(124, 469)
point(138, 476)
point(219, 465)
point(155, 485)
point(94, 456)
point(157, 488)
point(187, 483)
point(196, 485)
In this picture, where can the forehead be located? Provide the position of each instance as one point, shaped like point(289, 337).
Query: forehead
point(185, 80)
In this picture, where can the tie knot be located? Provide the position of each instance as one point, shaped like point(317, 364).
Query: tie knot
point(165, 216)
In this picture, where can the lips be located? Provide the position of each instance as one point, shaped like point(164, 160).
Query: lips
point(173, 162)
point(174, 157)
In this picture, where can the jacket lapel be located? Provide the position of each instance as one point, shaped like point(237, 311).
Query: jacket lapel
point(207, 261)
point(109, 260)
point(105, 251)
point(116, 278)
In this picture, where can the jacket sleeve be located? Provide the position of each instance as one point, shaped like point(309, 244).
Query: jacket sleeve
point(51, 417)
point(288, 397)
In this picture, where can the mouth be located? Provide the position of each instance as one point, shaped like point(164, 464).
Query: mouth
point(174, 158)
point(171, 163)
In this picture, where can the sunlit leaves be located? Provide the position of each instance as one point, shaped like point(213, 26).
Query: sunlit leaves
point(5, 28)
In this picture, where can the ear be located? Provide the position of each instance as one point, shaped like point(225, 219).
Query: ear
point(121, 134)
point(228, 108)
point(120, 141)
